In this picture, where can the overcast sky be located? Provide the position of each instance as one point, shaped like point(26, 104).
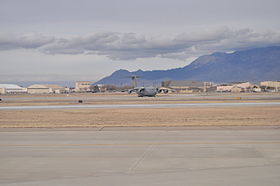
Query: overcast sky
point(68, 40)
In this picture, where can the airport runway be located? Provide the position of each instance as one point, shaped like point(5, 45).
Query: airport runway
point(119, 106)
point(178, 156)
point(125, 96)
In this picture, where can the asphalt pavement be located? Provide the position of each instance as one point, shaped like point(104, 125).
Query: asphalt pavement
point(231, 156)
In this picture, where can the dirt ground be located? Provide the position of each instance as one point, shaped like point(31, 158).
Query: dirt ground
point(235, 116)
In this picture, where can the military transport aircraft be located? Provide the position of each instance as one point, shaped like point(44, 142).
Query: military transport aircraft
point(144, 91)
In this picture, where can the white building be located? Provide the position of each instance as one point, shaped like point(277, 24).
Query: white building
point(224, 88)
point(82, 86)
point(11, 89)
point(45, 89)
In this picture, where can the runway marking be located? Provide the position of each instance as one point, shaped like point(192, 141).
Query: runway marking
point(143, 144)
point(140, 159)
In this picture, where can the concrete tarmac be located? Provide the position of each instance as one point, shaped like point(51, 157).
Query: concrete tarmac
point(162, 156)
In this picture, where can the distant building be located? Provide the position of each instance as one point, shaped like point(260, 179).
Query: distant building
point(82, 86)
point(224, 88)
point(45, 89)
point(236, 89)
point(244, 87)
point(273, 85)
point(11, 89)
point(185, 86)
point(239, 87)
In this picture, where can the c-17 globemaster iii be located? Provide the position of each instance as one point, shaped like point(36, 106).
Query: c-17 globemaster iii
point(144, 91)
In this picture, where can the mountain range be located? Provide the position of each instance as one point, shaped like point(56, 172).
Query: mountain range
point(254, 65)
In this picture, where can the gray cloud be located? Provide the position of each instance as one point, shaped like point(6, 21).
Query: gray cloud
point(129, 46)
point(10, 41)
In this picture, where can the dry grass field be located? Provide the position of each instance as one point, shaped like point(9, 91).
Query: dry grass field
point(219, 116)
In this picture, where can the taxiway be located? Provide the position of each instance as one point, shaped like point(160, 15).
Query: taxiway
point(185, 156)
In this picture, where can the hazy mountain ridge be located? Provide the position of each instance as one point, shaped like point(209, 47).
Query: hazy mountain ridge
point(253, 65)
